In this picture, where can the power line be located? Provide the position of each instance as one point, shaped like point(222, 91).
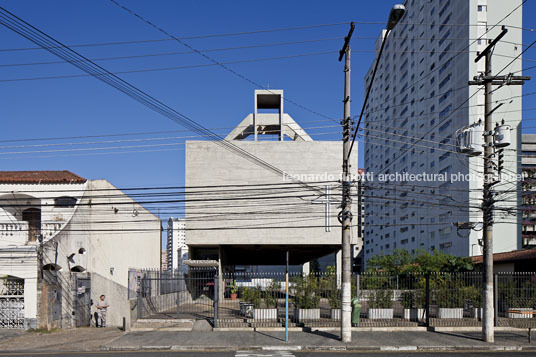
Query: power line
point(21, 27)
point(160, 69)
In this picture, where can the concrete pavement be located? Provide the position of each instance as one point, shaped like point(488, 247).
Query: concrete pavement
point(111, 339)
point(79, 339)
point(319, 340)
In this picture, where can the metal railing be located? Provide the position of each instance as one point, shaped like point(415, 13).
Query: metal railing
point(258, 299)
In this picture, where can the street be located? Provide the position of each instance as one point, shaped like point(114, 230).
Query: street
point(268, 354)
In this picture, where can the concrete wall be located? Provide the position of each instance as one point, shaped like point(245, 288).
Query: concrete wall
point(117, 234)
point(208, 164)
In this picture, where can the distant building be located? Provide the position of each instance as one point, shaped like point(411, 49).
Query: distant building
point(176, 249)
point(64, 241)
point(528, 190)
point(358, 263)
point(510, 262)
point(163, 261)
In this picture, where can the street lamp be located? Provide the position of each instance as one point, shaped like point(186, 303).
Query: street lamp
point(395, 15)
point(345, 216)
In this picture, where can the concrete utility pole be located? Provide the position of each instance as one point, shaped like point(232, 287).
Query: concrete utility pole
point(488, 195)
point(345, 216)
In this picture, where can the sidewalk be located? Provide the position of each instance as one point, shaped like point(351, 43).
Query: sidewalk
point(318, 340)
point(79, 339)
point(112, 339)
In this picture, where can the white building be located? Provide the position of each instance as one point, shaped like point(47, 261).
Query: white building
point(177, 250)
point(421, 91)
point(257, 213)
point(64, 241)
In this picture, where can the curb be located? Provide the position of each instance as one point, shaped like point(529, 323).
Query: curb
point(407, 348)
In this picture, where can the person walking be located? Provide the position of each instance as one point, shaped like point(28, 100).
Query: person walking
point(102, 308)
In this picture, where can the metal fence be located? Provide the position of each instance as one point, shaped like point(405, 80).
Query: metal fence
point(258, 299)
point(174, 294)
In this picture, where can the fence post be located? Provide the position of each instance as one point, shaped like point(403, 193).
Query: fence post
point(216, 299)
point(427, 292)
point(140, 300)
point(357, 285)
point(496, 298)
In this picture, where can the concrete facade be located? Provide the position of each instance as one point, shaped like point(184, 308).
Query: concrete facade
point(98, 238)
point(247, 223)
point(421, 91)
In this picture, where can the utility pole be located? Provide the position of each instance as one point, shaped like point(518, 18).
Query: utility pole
point(345, 216)
point(488, 80)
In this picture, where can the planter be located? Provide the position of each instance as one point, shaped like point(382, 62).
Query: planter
point(376, 314)
point(335, 314)
point(307, 314)
point(450, 313)
point(414, 314)
point(265, 314)
point(477, 313)
point(234, 296)
point(246, 309)
point(514, 315)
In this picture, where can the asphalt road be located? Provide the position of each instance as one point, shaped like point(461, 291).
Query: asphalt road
point(268, 354)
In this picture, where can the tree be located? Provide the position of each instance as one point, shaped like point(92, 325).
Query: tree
point(401, 261)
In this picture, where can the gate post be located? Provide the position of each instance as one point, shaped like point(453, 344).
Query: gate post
point(496, 298)
point(139, 298)
point(427, 288)
point(216, 299)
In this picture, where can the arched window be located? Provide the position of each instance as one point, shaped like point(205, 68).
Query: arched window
point(65, 202)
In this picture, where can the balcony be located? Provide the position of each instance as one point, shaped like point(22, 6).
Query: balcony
point(14, 233)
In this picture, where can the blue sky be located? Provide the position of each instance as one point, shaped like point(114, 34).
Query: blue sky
point(210, 95)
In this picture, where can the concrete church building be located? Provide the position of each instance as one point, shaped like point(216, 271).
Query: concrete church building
point(253, 214)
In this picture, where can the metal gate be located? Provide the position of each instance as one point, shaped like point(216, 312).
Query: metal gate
point(173, 294)
point(83, 301)
point(12, 303)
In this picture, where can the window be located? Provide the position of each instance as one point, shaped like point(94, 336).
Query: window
point(482, 8)
point(445, 170)
point(445, 231)
point(445, 81)
point(447, 34)
point(444, 53)
point(445, 96)
point(444, 66)
point(65, 202)
point(445, 7)
point(444, 126)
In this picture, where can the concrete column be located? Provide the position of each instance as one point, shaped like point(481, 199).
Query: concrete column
point(306, 269)
point(338, 262)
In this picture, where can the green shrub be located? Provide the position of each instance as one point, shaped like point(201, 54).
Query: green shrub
point(252, 296)
point(305, 291)
point(380, 299)
point(271, 293)
point(413, 299)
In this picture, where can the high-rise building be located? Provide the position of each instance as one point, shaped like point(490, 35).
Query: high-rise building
point(177, 250)
point(163, 261)
point(528, 208)
point(419, 99)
